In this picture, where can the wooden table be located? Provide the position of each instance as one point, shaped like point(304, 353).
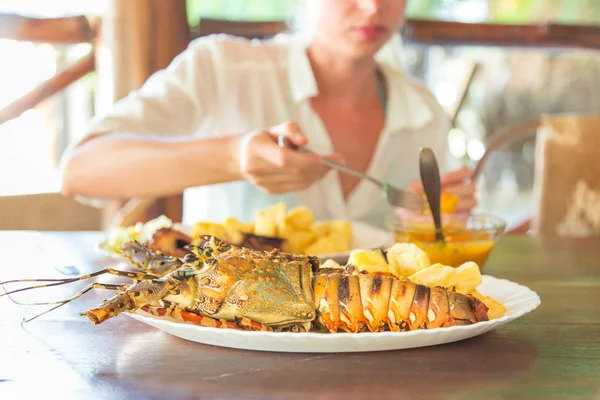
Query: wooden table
point(551, 353)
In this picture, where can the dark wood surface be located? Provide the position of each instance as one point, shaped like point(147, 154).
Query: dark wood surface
point(551, 353)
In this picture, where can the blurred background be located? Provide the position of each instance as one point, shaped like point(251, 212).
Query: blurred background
point(484, 88)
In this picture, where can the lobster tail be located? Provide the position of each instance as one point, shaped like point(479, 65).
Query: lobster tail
point(371, 302)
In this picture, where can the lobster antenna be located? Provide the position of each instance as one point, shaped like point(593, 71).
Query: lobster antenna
point(57, 282)
point(61, 303)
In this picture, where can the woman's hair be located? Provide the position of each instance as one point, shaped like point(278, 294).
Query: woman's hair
point(301, 27)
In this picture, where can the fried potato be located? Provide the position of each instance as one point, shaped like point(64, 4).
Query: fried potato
point(270, 221)
point(362, 257)
point(322, 245)
point(208, 228)
point(322, 229)
point(287, 230)
point(297, 226)
point(341, 232)
point(264, 225)
point(297, 242)
point(235, 229)
point(496, 309)
point(235, 224)
point(468, 277)
point(406, 259)
point(300, 219)
point(435, 275)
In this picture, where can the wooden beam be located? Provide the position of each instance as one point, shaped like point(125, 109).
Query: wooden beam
point(68, 30)
point(247, 29)
point(48, 88)
point(440, 33)
point(489, 34)
point(143, 36)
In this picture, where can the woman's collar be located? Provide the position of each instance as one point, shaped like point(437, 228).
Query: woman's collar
point(407, 109)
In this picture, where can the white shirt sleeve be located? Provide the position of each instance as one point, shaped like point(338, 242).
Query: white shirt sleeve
point(171, 102)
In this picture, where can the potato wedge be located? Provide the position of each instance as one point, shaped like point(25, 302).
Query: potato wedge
point(235, 229)
point(496, 309)
point(406, 259)
point(300, 218)
point(264, 224)
point(297, 242)
point(322, 229)
point(360, 257)
point(435, 275)
point(270, 221)
point(323, 245)
point(208, 228)
point(341, 232)
point(468, 277)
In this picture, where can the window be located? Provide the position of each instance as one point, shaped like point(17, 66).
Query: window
point(241, 10)
point(33, 143)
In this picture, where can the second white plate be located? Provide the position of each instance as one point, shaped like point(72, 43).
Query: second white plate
point(365, 237)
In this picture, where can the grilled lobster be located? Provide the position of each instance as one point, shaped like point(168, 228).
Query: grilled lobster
point(225, 286)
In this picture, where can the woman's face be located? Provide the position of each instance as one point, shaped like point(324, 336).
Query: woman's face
point(357, 28)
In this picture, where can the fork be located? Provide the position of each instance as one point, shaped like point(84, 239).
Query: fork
point(395, 196)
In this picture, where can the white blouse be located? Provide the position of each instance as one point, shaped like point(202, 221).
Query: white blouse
point(223, 85)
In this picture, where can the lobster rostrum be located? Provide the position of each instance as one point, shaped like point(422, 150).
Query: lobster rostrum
point(224, 286)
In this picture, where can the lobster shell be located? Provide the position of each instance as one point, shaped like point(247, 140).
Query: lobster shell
point(360, 302)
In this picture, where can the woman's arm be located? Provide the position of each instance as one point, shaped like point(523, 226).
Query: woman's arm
point(125, 165)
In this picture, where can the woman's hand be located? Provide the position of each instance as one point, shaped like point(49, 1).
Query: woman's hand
point(458, 182)
point(278, 170)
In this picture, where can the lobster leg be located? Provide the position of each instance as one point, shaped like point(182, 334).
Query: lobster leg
point(83, 291)
point(171, 310)
point(156, 263)
point(142, 293)
point(130, 274)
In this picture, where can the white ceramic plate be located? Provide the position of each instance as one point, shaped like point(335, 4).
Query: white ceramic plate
point(518, 299)
point(365, 237)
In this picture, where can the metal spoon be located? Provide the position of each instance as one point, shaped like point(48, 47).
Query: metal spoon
point(430, 177)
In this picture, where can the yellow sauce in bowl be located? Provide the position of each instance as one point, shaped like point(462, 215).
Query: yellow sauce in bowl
point(462, 245)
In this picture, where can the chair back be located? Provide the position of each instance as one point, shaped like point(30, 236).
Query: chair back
point(567, 177)
point(566, 188)
point(47, 212)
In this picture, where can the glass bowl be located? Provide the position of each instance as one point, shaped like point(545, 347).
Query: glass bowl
point(468, 237)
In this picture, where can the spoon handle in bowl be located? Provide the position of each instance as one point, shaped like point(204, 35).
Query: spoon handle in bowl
point(430, 177)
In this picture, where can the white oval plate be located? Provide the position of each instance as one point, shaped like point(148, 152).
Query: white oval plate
point(518, 299)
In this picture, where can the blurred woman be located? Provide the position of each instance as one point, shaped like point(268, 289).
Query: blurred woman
point(207, 125)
